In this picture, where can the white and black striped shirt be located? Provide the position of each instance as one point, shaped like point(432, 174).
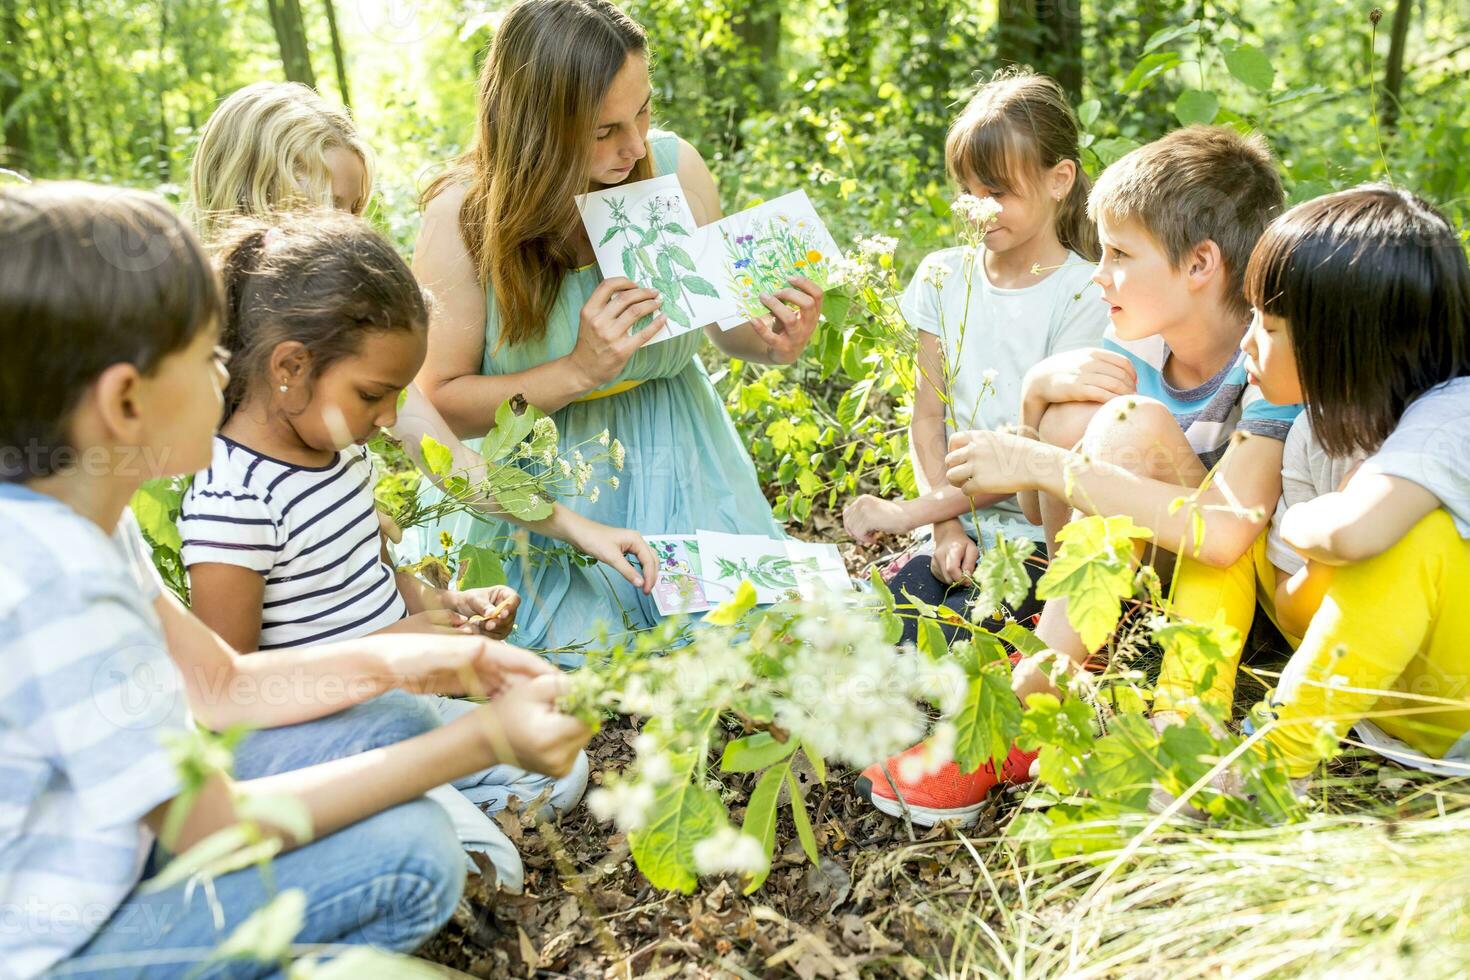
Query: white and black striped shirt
point(310, 530)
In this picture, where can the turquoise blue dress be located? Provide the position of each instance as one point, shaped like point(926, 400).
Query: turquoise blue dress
point(686, 470)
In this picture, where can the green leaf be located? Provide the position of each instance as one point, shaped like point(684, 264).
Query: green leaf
point(1093, 571)
point(483, 567)
point(1196, 107)
point(1199, 651)
point(682, 815)
point(1148, 69)
point(218, 847)
point(630, 263)
point(1088, 111)
point(511, 429)
point(437, 457)
point(1001, 576)
point(1251, 66)
point(881, 589)
point(665, 267)
point(853, 403)
point(1110, 151)
point(698, 286)
point(1026, 642)
point(1160, 38)
point(154, 505)
point(819, 765)
point(1122, 765)
point(836, 304)
point(674, 228)
point(990, 719)
point(755, 752)
point(518, 493)
point(931, 639)
point(1063, 732)
point(801, 819)
point(728, 613)
point(760, 818)
point(647, 238)
point(680, 256)
point(609, 235)
point(675, 312)
point(401, 401)
point(267, 935)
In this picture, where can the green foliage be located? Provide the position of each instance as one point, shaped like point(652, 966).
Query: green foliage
point(1093, 571)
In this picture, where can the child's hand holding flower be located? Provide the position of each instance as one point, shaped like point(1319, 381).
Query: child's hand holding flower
point(491, 611)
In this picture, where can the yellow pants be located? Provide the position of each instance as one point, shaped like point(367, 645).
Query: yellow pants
point(1390, 642)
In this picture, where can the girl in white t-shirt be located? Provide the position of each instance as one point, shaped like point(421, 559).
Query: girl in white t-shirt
point(986, 314)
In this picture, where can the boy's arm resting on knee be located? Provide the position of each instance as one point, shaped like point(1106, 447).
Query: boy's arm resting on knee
point(1364, 519)
point(523, 728)
point(1232, 509)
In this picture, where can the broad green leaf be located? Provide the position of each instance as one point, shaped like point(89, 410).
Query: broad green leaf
point(511, 429)
point(1162, 37)
point(682, 815)
point(647, 238)
point(728, 613)
point(676, 312)
point(931, 639)
point(698, 286)
point(1063, 732)
point(1110, 151)
point(853, 403)
point(760, 818)
point(482, 567)
point(836, 304)
point(665, 266)
point(437, 457)
point(401, 400)
point(630, 263)
point(1251, 66)
point(154, 506)
point(680, 257)
point(269, 931)
point(1026, 642)
point(1149, 68)
point(1199, 651)
point(1196, 107)
point(1087, 112)
point(1123, 765)
point(990, 719)
point(518, 493)
point(755, 752)
point(1093, 571)
point(881, 589)
point(1187, 752)
point(674, 228)
point(609, 235)
point(1001, 577)
point(819, 765)
point(801, 819)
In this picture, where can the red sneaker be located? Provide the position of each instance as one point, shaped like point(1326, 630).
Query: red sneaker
point(948, 794)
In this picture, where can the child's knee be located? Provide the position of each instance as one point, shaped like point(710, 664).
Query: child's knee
point(417, 851)
point(1138, 433)
point(1065, 423)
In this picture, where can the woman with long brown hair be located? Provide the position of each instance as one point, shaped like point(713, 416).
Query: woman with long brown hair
point(564, 103)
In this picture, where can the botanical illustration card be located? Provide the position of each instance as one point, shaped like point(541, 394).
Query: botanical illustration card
point(645, 231)
point(779, 570)
point(679, 588)
point(715, 274)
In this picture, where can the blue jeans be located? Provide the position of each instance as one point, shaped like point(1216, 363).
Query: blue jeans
point(390, 881)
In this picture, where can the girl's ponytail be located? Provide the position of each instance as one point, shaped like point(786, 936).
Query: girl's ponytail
point(1075, 230)
point(239, 257)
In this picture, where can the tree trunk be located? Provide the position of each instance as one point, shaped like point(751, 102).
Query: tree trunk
point(337, 54)
point(291, 37)
point(1016, 32)
point(1061, 39)
point(757, 25)
point(1393, 73)
point(17, 137)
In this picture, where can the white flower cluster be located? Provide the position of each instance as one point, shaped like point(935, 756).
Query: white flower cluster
point(844, 269)
point(877, 245)
point(935, 273)
point(617, 453)
point(623, 801)
point(979, 211)
point(728, 850)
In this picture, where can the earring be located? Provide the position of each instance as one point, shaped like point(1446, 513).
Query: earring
point(284, 387)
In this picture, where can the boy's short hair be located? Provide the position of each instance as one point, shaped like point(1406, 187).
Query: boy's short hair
point(89, 277)
point(1197, 183)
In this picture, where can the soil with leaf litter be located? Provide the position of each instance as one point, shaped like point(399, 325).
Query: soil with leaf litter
point(866, 909)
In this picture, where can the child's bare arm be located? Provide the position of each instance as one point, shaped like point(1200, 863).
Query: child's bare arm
point(227, 599)
point(523, 728)
point(1364, 519)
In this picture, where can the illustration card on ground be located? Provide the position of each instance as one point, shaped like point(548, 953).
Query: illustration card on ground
point(646, 231)
point(679, 588)
point(779, 570)
point(765, 245)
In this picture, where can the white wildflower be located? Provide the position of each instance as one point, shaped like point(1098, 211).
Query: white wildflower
point(592, 497)
point(935, 273)
point(989, 376)
point(534, 500)
point(624, 802)
point(727, 850)
point(979, 211)
point(617, 452)
point(655, 768)
point(577, 456)
point(544, 428)
point(612, 482)
point(877, 245)
point(602, 438)
point(844, 269)
point(566, 467)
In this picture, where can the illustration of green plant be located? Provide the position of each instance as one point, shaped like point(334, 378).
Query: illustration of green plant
point(767, 571)
point(653, 255)
point(761, 260)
